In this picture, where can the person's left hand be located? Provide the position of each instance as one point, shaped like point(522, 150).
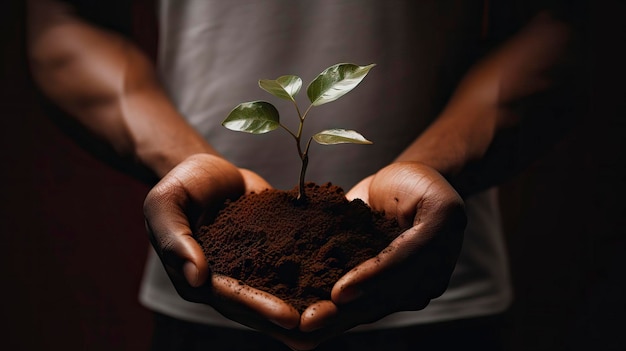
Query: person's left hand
point(412, 270)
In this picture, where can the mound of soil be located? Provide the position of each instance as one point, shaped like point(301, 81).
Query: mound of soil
point(295, 250)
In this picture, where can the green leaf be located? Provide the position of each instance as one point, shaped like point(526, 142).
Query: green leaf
point(284, 87)
point(256, 117)
point(340, 136)
point(335, 82)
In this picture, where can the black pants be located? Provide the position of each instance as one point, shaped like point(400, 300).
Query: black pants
point(470, 334)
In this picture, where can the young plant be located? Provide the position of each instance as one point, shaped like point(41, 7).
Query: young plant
point(258, 117)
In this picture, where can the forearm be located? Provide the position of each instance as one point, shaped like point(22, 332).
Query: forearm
point(104, 82)
point(485, 101)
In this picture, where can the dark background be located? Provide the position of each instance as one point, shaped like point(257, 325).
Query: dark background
point(68, 282)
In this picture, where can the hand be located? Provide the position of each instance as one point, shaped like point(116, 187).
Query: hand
point(182, 200)
point(413, 269)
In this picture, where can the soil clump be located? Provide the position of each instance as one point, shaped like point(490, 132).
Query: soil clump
point(292, 249)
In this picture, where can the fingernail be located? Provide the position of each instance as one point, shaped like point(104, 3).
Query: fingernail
point(349, 294)
point(191, 273)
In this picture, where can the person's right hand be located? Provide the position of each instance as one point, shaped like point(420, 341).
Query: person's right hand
point(412, 270)
point(190, 193)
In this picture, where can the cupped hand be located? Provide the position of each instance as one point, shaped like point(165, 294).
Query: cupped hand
point(186, 197)
point(413, 269)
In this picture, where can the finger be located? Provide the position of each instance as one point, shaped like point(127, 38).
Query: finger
point(333, 321)
point(198, 182)
point(426, 253)
point(170, 234)
point(318, 315)
point(361, 190)
point(260, 311)
point(351, 285)
point(254, 183)
point(240, 301)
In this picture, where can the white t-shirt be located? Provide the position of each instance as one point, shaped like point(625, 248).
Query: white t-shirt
point(212, 53)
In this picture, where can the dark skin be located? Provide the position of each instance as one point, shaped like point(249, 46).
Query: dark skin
point(108, 86)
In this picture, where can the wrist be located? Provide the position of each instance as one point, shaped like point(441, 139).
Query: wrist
point(460, 136)
point(162, 159)
point(161, 137)
point(445, 156)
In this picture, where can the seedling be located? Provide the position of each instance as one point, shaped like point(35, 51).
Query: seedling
point(258, 117)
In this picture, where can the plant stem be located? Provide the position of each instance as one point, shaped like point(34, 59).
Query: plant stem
point(301, 194)
point(304, 155)
point(305, 163)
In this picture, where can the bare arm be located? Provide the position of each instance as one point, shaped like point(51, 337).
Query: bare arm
point(109, 87)
point(103, 81)
point(485, 104)
point(416, 266)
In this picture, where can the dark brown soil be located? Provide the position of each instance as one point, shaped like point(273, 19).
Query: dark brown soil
point(294, 250)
